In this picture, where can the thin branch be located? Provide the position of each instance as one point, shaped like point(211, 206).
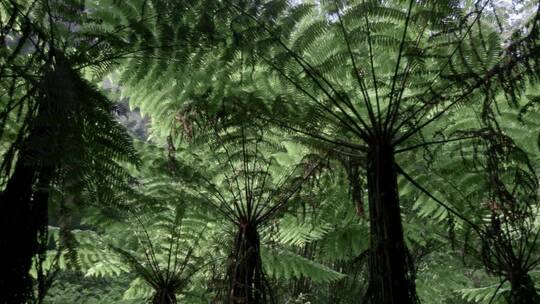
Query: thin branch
point(438, 201)
point(392, 100)
point(151, 256)
point(356, 73)
point(439, 73)
point(372, 64)
point(496, 291)
point(358, 131)
point(238, 205)
point(319, 136)
point(290, 192)
point(406, 75)
point(308, 69)
point(245, 166)
point(503, 65)
point(434, 142)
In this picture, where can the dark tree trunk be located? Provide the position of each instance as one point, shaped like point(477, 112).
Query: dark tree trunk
point(164, 296)
point(23, 218)
point(522, 290)
point(391, 276)
point(18, 236)
point(24, 202)
point(247, 282)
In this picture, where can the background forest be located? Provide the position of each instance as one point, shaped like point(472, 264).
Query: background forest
point(269, 151)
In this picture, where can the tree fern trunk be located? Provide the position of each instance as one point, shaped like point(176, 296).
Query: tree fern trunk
point(164, 296)
point(391, 279)
point(247, 285)
point(23, 218)
point(18, 239)
point(522, 290)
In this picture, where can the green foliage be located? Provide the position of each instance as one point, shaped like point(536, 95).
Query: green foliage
point(74, 288)
point(286, 265)
point(264, 113)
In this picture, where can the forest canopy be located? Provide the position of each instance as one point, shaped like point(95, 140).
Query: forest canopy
point(270, 151)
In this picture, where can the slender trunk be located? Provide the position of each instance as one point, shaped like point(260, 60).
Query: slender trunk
point(23, 220)
point(391, 275)
point(522, 290)
point(164, 296)
point(247, 285)
point(17, 236)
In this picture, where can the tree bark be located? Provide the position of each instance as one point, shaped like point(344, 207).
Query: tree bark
point(17, 236)
point(164, 296)
point(522, 290)
point(247, 282)
point(23, 221)
point(23, 216)
point(391, 273)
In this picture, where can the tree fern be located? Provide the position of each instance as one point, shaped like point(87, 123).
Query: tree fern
point(443, 65)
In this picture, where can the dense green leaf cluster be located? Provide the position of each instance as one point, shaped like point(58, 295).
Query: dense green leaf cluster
point(332, 151)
